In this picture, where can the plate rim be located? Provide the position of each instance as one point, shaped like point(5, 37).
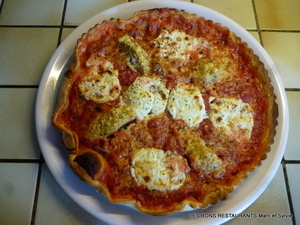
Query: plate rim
point(53, 73)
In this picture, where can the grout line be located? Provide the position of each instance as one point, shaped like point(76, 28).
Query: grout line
point(38, 26)
point(1, 5)
point(257, 22)
point(292, 89)
point(281, 31)
point(62, 22)
point(64, 13)
point(254, 30)
point(19, 160)
point(59, 36)
point(288, 192)
point(37, 189)
point(18, 86)
point(30, 26)
point(292, 161)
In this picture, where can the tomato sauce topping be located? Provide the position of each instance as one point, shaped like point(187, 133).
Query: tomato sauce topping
point(163, 132)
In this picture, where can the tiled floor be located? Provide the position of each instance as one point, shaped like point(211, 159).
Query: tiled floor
point(284, 49)
point(78, 11)
point(278, 14)
point(31, 30)
point(52, 201)
point(239, 11)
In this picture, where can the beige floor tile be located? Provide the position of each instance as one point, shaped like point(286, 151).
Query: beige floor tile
point(17, 189)
point(66, 32)
point(25, 53)
point(17, 130)
point(32, 12)
point(284, 49)
point(79, 11)
point(255, 34)
point(294, 181)
point(272, 201)
point(147, 0)
point(54, 201)
point(278, 14)
point(293, 150)
point(241, 11)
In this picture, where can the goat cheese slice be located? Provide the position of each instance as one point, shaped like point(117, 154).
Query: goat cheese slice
point(159, 170)
point(177, 44)
point(101, 88)
point(186, 103)
point(147, 95)
point(231, 116)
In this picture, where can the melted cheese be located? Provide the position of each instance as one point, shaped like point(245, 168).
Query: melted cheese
point(186, 103)
point(101, 87)
point(176, 44)
point(231, 116)
point(207, 72)
point(147, 95)
point(137, 59)
point(158, 170)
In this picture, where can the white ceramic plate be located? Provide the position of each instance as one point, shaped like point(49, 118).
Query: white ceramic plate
point(55, 153)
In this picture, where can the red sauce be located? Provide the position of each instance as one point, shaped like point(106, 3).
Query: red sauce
point(127, 76)
point(163, 132)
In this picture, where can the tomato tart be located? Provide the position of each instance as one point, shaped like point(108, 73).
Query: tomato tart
point(165, 110)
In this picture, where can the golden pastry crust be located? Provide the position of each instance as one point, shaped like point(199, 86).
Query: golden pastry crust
point(199, 164)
